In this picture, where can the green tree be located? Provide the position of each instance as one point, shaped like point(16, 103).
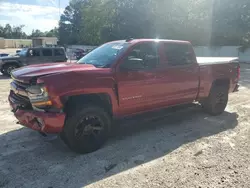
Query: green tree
point(203, 22)
point(52, 33)
point(37, 33)
point(231, 22)
point(71, 23)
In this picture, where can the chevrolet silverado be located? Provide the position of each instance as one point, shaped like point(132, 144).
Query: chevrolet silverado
point(79, 100)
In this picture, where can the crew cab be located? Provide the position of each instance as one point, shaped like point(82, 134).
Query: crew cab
point(29, 56)
point(120, 78)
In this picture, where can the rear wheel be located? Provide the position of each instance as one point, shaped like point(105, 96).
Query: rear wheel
point(86, 129)
point(217, 100)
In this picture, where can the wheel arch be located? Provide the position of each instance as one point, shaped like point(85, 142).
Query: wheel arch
point(100, 99)
point(11, 63)
point(221, 82)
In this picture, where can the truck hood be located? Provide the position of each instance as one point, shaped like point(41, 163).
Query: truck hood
point(26, 73)
point(9, 58)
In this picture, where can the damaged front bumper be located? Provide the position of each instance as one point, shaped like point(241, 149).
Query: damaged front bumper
point(45, 122)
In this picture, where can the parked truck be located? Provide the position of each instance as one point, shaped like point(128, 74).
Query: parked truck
point(29, 56)
point(120, 78)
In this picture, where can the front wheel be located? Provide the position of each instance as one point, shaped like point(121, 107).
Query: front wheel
point(217, 100)
point(8, 68)
point(86, 129)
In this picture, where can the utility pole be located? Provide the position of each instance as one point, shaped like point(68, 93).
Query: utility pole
point(59, 9)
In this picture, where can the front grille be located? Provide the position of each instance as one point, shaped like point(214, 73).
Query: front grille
point(21, 101)
point(18, 99)
point(21, 85)
point(18, 94)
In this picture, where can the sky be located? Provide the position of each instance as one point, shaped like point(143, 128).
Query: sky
point(34, 14)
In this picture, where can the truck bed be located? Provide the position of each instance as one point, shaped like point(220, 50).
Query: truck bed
point(215, 60)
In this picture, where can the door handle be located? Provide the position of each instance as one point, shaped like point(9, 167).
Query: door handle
point(189, 70)
point(150, 74)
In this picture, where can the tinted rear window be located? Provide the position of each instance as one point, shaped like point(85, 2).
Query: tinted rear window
point(178, 54)
point(59, 52)
point(47, 52)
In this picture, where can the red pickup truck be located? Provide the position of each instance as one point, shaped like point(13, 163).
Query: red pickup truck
point(119, 78)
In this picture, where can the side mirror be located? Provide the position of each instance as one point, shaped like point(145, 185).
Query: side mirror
point(133, 64)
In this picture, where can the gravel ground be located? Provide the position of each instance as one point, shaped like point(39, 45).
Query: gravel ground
point(183, 149)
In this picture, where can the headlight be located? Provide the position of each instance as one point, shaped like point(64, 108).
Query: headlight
point(38, 95)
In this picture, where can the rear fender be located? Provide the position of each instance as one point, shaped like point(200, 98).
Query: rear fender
point(219, 82)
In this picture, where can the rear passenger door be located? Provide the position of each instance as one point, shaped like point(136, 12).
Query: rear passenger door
point(47, 55)
point(180, 73)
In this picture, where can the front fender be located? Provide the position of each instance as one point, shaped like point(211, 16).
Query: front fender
point(6, 62)
point(61, 86)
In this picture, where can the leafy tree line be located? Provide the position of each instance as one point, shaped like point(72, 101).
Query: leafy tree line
point(203, 22)
point(16, 32)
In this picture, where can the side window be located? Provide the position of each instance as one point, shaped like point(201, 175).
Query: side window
point(34, 52)
point(146, 54)
point(47, 52)
point(178, 54)
point(59, 52)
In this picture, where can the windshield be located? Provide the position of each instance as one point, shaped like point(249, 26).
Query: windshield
point(23, 52)
point(105, 55)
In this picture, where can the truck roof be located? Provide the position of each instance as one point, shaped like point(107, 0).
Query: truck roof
point(46, 47)
point(151, 40)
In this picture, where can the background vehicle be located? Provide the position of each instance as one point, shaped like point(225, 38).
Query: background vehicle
point(3, 54)
point(29, 56)
point(79, 53)
point(118, 79)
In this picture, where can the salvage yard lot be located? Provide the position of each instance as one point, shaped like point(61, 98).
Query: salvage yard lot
point(183, 149)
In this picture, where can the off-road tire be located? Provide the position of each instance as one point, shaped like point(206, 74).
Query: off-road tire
point(216, 102)
point(85, 143)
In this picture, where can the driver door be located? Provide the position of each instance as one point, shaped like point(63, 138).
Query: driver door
point(136, 88)
point(34, 56)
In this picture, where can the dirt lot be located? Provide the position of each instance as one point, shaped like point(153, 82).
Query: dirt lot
point(9, 50)
point(184, 149)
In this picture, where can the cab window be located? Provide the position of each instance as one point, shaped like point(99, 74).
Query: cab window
point(144, 55)
point(47, 52)
point(178, 54)
point(34, 53)
point(59, 52)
